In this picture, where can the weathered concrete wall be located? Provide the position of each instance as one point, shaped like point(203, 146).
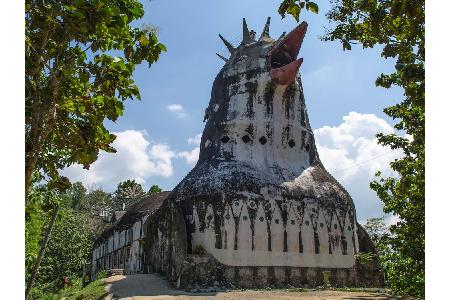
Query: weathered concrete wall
point(165, 241)
point(205, 270)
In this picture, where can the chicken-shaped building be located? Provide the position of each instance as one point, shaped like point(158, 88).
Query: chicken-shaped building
point(259, 206)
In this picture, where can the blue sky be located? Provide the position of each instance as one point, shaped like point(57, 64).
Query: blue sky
point(176, 90)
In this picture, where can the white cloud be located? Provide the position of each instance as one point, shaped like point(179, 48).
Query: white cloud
point(161, 156)
point(135, 159)
point(191, 157)
point(195, 140)
point(350, 152)
point(178, 110)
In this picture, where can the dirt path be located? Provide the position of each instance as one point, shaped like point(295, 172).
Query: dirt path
point(149, 286)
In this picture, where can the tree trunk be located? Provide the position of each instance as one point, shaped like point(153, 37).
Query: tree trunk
point(30, 163)
point(41, 252)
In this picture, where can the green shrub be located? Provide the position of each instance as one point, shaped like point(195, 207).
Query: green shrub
point(363, 258)
point(199, 250)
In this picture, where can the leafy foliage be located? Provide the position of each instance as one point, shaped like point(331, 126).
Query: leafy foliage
point(128, 192)
point(67, 250)
point(397, 267)
point(378, 231)
point(363, 258)
point(76, 195)
point(154, 189)
point(99, 203)
point(80, 56)
point(39, 204)
point(74, 291)
point(399, 26)
point(293, 8)
point(71, 240)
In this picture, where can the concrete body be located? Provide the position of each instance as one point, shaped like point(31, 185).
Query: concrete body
point(258, 201)
point(258, 208)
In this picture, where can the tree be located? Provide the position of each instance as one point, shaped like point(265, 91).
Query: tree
point(380, 235)
point(41, 203)
point(67, 250)
point(77, 195)
point(73, 234)
point(128, 192)
point(154, 189)
point(99, 203)
point(399, 27)
point(376, 228)
point(73, 81)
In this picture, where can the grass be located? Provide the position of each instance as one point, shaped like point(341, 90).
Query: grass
point(93, 291)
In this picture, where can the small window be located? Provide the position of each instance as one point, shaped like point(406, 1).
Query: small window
point(245, 218)
point(335, 226)
point(292, 222)
point(225, 139)
point(321, 225)
point(307, 223)
point(246, 139)
point(307, 147)
point(262, 140)
point(277, 221)
point(291, 143)
point(261, 219)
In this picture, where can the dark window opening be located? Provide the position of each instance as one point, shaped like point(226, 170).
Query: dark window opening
point(262, 140)
point(246, 139)
point(321, 225)
point(277, 221)
point(335, 226)
point(261, 219)
point(225, 139)
point(307, 223)
point(307, 147)
point(245, 218)
point(291, 143)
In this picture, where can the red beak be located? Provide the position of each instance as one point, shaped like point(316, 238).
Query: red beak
point(282, 58)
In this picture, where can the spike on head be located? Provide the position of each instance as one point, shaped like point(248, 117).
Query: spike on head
point(229, 46)
point(265, 33)
point(247, 36)
point(224, 58)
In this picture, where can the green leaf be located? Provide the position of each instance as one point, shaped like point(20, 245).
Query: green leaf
point(346, 45)
point(294, 10)
point(313, 7)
